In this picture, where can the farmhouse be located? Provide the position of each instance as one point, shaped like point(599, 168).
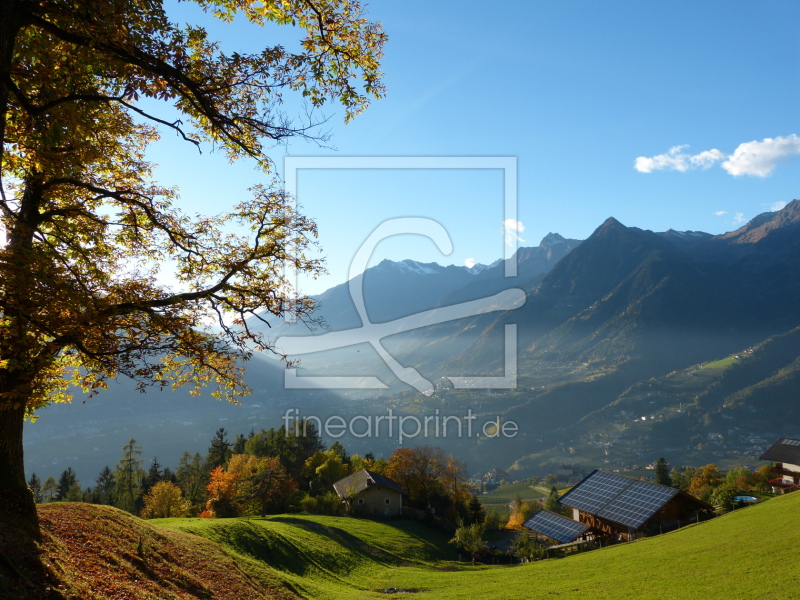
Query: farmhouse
point(785, 457)
point(370, 494)
point(624, 508)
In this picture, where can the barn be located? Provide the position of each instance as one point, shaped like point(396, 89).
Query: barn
point(624, 508)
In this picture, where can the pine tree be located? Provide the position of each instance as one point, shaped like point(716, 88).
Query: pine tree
point(129, 475)
point(66, 481)
point(552, 504)
point(238, 444)
point(105, 487)
point(662, 472)
point(220, 450)
point(154, 475)
point(35, 484)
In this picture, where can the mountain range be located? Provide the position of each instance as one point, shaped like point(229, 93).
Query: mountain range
point(631, 345)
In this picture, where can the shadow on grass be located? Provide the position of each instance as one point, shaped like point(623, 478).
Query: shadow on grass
point(23, 575)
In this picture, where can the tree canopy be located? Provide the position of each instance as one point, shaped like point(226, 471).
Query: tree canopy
point(88, 232)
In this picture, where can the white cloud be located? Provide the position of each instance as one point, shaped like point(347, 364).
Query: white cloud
point(776, 206)
point(739, 218)
point(761, 158)
point(758, 159)
point(677, 160)
point(511, 230)
point(470, 262)
point(719, 213)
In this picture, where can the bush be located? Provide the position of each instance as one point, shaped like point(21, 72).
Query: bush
point(326, 504)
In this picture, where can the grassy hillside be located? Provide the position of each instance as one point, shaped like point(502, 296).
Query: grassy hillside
point(751, 553)
point(92, 552)
point(321, 557)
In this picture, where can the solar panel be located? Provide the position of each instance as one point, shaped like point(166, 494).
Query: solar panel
point(790, 442)
point(561, 529)
point(625, 501)
point(595, 492)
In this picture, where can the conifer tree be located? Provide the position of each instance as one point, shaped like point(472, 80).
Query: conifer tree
point(129, 475)
point(662, 472)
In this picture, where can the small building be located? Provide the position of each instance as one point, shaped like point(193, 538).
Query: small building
point(624, 508)
point(785, 457)
point(370, 494)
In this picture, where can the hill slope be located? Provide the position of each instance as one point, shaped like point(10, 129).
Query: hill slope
point(93, 552)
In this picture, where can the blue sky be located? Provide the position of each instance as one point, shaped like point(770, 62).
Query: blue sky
point(577, 92)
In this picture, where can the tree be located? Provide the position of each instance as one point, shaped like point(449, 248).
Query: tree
point(322, 470)
point(524, 547)
point(153, 476)
point(192, 476)
point(49, 490)
point(87, 229)
point(165, 500)
point(723, 496)
point(105, 487)
point(35, 485)
point(475, 511)
point(418, 471)
point(740, 477)
point(219, 451)
point(66, 484)
point(552, 504)
point(704, 481)
point(221, 494)
point(129, 475)
point(470, 539)
point(662, 472)
point(261, 483)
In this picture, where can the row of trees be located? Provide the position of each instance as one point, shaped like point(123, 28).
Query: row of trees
point(268, 471)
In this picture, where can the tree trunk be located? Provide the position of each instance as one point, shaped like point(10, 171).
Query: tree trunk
point(16, 500)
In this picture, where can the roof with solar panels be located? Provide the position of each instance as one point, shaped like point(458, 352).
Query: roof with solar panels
point(784, 450)
point(623, 500)
point(557, 527)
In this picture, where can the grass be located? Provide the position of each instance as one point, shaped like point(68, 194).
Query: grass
point(496, 500)
point(321, 557)
point(92, 552)
point(745, 554)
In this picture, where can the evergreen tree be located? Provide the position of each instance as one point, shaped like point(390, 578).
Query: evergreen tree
point(238, 444)
point(105, 487)
point(552, 503)
point(475, 511)
point(662, 472)
point(169, 475)
point(338, 448)
point(35, 484)
point(220, 450)
point(129, 475)
point(66, 481)
point(154, 475)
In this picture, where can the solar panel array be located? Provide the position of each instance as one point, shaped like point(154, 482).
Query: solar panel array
point(555, 526)
point(625, 501)
point(595, 492)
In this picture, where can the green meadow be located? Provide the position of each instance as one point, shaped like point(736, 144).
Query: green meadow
point(749, 553)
